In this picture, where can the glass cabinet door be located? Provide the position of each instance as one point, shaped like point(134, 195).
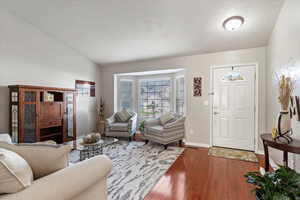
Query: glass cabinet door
point(30, 116)
point(14, 115)
point(70, 115)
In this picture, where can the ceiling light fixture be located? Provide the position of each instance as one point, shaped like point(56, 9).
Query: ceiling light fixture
point(233, 23)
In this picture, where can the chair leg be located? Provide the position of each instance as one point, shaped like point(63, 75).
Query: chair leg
point(133, 138)
point(166, 146)
point(180, 143)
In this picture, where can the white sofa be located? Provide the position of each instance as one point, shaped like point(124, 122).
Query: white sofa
point(83, 181)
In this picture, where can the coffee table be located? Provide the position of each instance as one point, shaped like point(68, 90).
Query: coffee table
point(94, 149)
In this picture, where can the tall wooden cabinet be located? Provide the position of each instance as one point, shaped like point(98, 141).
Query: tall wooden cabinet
point(35, 117)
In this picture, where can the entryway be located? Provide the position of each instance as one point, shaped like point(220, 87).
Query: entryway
point(233, 106)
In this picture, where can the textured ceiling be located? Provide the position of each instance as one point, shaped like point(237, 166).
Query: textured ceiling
point(110, 31)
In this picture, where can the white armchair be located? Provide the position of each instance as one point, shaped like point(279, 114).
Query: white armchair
point(121, 129)
point(165, 134)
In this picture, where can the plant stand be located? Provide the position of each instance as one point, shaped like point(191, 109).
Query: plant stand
point(101, 127)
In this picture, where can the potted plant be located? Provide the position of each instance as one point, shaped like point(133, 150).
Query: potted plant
point(282, 184)
point(142, 126)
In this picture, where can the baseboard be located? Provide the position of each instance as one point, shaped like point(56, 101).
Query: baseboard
point(196, 144)
point(272, 162)
point(260, 152)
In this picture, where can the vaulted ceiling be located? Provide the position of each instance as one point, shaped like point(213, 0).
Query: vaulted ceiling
point(110, 31)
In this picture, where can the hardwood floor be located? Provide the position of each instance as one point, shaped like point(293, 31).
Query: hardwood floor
point(197, 176)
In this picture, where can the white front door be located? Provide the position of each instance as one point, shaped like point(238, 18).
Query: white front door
point(234, 107)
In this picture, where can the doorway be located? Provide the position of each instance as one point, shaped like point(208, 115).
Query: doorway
point(233, 107)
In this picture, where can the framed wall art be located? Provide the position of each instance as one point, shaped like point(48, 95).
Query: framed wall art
point(197, 86)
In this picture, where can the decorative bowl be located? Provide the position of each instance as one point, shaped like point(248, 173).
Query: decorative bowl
point(91, 138)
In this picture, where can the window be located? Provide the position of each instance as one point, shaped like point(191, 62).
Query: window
point(154, 98)
point(85, 88)
point(150, 94)
point(125, 94)
point(179, 84)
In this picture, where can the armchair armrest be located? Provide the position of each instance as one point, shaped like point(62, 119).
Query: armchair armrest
point(151, 122)
point(66, 183)
point(178, 122)
point(110, 120)
point(133, 118)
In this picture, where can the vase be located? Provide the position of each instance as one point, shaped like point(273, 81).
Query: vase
point(284, 123)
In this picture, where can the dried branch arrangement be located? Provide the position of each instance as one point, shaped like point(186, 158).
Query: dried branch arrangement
point(286, 87)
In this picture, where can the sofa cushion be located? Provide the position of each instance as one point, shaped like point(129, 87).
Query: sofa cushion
point(166, 118)
point(119, 127)
point(43, 159)
point(156, 129)
point(123, 116)
point(15, 173)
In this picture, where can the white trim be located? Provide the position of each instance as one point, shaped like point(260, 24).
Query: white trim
point(175, 93)
point(255, 65)
point(115, 93)
point(156, 72)
point(260, 152)
point(196, 144)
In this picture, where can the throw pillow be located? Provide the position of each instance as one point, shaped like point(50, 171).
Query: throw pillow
point(43, 159)
point(166, 118)
point(15, 173)
point(5, 138)
point(123, 115)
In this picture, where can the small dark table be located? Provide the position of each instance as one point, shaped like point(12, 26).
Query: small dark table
point(293, 147)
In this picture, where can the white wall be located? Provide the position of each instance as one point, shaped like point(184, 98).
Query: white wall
point(199, 65)
point(284, 44)
point(28, 56)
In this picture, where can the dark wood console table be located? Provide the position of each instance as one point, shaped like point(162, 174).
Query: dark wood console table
point(268, 141)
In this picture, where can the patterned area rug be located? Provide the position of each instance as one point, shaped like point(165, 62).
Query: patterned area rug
point(137, 167)
point(232, 154)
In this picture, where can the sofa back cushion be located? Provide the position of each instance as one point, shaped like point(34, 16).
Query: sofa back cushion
point(15, 173)
point(43, 159)
point(166, 118)
point(123, 116)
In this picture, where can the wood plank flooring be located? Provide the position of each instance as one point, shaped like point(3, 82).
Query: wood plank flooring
point(197, 176)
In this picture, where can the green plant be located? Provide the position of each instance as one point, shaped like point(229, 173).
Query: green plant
point(282, 184)
point(142, 126)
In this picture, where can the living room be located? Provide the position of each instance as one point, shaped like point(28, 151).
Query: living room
point(198, 83)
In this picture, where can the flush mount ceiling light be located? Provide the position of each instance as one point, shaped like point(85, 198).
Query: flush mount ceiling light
point(233, 23)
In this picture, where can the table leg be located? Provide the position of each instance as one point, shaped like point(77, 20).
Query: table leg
point(285, 159)
point(267, 164)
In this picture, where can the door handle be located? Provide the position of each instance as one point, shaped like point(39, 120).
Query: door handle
point(215, 113)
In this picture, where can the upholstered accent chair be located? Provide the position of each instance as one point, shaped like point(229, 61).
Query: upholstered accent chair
point(116, 128)
point(173, 131)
